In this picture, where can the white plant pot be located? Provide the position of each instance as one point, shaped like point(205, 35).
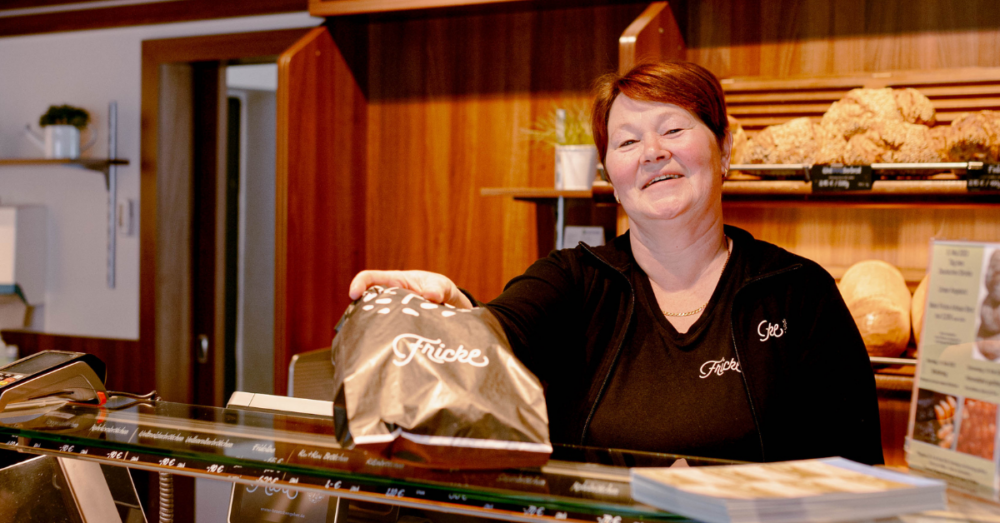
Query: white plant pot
point(62, 142)
point(576, 167)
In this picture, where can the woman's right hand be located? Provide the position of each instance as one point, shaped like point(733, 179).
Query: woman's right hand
point(430, 285)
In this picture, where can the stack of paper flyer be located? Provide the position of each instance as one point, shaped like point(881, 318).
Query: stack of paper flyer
point(831, 489)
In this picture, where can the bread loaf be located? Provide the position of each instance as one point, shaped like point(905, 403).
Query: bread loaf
point(865, 149)
point(794, 141)
point(739, 140)
point(938, 137)
point(858, 110)
point(892, 141)
point(914, 106)
point(739, 152)
point(908, 143)
point(861, 109)
point(865, 126)
point(974, 137)
point(833, 147)
point(876, 295)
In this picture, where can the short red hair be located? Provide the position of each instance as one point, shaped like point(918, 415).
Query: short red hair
point(683, 84)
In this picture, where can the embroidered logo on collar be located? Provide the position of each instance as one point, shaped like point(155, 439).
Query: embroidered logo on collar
point(718, 367)
point(767, 330)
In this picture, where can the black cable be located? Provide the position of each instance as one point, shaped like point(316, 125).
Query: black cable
point(150, 396)
point(137, 399)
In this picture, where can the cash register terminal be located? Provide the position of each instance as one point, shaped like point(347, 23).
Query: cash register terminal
point(72, 376)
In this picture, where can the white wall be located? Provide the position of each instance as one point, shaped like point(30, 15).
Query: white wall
point(88, 69)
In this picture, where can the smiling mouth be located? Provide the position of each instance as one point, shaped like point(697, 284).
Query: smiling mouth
point(662, 178)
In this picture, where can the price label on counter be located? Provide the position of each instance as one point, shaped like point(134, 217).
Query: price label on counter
point(985, 179)
point(841, 177)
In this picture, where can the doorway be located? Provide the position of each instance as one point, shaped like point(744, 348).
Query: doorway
point(184, 244)
point(251, 151)
point(174, 72)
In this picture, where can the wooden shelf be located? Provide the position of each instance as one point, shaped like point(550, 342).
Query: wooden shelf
point(883, 192)
point(94, 164)
point(600, 191)
point(106, 166)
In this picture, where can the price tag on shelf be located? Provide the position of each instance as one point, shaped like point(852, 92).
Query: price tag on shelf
point(985, 179)
point(841, 177)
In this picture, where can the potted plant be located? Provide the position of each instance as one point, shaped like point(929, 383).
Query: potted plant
point(567, 130)
point(61, 125)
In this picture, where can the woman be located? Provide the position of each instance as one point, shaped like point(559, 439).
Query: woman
point(683, 335)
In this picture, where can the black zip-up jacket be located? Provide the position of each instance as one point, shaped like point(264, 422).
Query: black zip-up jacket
point(808, 377)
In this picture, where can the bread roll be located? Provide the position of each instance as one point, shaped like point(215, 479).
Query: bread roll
point(892, 141)
point(865, 149)
point(876, 295)
point(739, 140)
point(859, 109)
point(794, 141)
point(917, 309)
point(938, 137)
point(833, 147)
point(914, 106)
point(865, 126)
point(974, 137)
point(755, 153)
point(908, 143)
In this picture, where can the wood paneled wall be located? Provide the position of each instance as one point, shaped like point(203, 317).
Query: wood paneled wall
point(127, 370)
point(780, 38)
point(798, 37)
point(390, 126)
point(840, 236)
point(320, 230)
point(448, 98)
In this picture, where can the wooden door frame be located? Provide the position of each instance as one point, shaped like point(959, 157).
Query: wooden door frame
point(155, 53)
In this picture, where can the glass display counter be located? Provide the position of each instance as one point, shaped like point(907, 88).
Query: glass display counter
point(299, 454)
point(279, 451)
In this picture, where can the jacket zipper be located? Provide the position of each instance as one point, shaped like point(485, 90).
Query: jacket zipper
point(618, 348)
point(736, 350)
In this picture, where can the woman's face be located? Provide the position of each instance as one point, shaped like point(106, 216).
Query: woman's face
point(663, 161)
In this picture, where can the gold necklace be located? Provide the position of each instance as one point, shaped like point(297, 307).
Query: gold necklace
point(699, 309)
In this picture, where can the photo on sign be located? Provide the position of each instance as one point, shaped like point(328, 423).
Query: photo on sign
point(978, 429)
point(935, 418)
point(987, 346)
